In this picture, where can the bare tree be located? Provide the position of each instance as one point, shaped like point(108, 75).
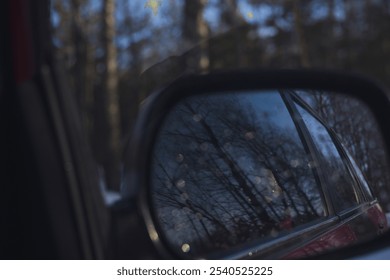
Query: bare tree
point(222, 175)
point(111, 159)
point(195, 31)
point(300, 33)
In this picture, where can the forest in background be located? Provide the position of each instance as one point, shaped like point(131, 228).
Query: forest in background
point(117, 52)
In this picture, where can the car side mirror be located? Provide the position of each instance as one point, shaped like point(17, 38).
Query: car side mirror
point(263, 164)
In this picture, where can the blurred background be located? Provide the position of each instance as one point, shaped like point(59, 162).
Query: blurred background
point(117, 52)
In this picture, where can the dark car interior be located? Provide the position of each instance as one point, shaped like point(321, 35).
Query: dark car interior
point(56, 204)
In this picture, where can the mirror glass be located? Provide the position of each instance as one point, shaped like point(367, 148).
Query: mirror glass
point(268, 174)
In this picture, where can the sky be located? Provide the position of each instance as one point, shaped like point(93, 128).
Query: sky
point(156, 11)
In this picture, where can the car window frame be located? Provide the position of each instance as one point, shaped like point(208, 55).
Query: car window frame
point(310, 147)
point(333, 219)
point(367, 193)
point(344, 213)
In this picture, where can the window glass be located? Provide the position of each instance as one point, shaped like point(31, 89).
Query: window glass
point(335, 170)
point(228, 171)
point(362, 179)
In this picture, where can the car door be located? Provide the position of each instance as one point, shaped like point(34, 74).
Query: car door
point(50, 204)
point(360, 215)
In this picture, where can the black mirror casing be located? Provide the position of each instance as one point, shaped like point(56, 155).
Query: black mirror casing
point(159, 104)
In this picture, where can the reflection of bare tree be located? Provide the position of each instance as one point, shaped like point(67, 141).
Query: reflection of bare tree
point(358, 131)
point(226, 173)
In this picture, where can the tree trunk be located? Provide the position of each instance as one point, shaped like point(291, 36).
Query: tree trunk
point(331, 15)
point(232, 18)
point(349, 30)
point(195, 31)
point(298, 26)
point(111, 161)
point(80, 54)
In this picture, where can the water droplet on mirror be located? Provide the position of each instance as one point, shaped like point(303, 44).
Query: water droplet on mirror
point(273, 183)
point(175, 212)
point(383, 194)
point(322, 138)
point(257, 180)
point(201, 161)
point(184, 196)
point(197, 117)
point(226, 217)
point(193, 145)
point(287, 174)
point(180, 183)
point(168, 184)
point(232, 116)
point(294, 163)
point(185, 248)
point(227, 132)
point(187, 210)
point(178, 227)
point(227, 146)
point(276, 191)
point(199, 216)
point(266, 172)
point(249, 135)
point(179, 157)
point(274, 233)
point(334, 178)
point(204, 146)
point(218, 173)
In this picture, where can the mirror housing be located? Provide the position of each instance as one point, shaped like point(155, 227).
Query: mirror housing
point(155, 109)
